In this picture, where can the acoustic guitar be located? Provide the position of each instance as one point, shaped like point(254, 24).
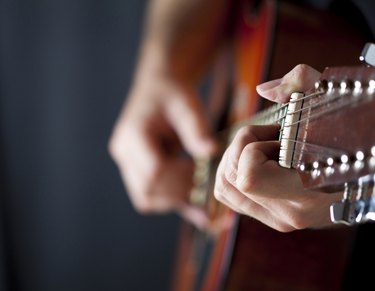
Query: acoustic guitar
point(269, 39)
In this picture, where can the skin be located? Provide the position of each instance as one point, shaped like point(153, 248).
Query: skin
point(250, 181)
point(162, 126)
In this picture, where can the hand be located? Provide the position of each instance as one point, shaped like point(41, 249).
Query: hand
point(250, 181)
point(162, 128)
point(161, 121)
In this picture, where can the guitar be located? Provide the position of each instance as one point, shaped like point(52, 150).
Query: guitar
point(250, 255)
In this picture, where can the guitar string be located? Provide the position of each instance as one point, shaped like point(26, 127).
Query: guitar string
point(277, 113)
point(272, 111)
point(319, 150)
point(280, 108)
point(316, 149)
point(328, 101)
point(314, 106)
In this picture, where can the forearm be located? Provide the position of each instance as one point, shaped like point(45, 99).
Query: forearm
point(181, 35)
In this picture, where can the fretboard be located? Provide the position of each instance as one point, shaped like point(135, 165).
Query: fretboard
point(287, 116)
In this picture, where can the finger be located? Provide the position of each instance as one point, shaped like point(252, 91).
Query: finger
point(195, 215)
point(300, 79)
point(156, 182)
point(265, 216)
point(225, 191)
point(161, 190)
point(185, 113)
point(258, 169)
point(280, 191)
point(250, 204)
point(243, 137)
point(250, 134)
point(227, 194)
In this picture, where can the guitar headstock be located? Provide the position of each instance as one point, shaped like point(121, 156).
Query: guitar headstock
point(333, 147)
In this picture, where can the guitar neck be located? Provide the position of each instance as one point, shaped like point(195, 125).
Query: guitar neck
point(274, 114)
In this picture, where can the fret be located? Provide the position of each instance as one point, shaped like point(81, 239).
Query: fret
point(273, 114)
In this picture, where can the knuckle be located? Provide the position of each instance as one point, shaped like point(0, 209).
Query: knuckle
point(284, 228)
point(251, 149)
point(300, 71)
point(298, 222)
point(150, 203)
point(230, 172)
point(247, 179)
point(116, 147)
point(143, 206)
point(247, 184)
point(218, 194)
point(220, 189)
point(244, 134)
point(113, 148)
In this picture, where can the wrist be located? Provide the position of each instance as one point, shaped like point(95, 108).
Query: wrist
point(153, 61)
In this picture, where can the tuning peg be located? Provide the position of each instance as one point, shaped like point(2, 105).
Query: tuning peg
point(344, 211)
point(360, 210)
point(365, 210)
point(368, 54)
point(369, 210)
point(370, 214)
point(357, 208)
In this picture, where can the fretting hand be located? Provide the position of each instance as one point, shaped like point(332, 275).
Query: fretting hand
point(250, 181)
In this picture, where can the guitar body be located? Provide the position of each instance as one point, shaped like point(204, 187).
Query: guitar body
point(270, 38)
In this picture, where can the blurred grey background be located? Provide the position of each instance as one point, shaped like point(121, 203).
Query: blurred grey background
point(65, 220)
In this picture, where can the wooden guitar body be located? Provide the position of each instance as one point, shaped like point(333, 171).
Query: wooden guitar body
point(270, 38)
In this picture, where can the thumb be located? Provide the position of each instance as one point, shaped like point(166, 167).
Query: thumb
point(186, 115)
point(300, 79)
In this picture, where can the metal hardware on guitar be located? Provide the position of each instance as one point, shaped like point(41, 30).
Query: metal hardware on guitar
point(368, 54)
point(358, 208)
point(358, 203)
point(329, 140)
